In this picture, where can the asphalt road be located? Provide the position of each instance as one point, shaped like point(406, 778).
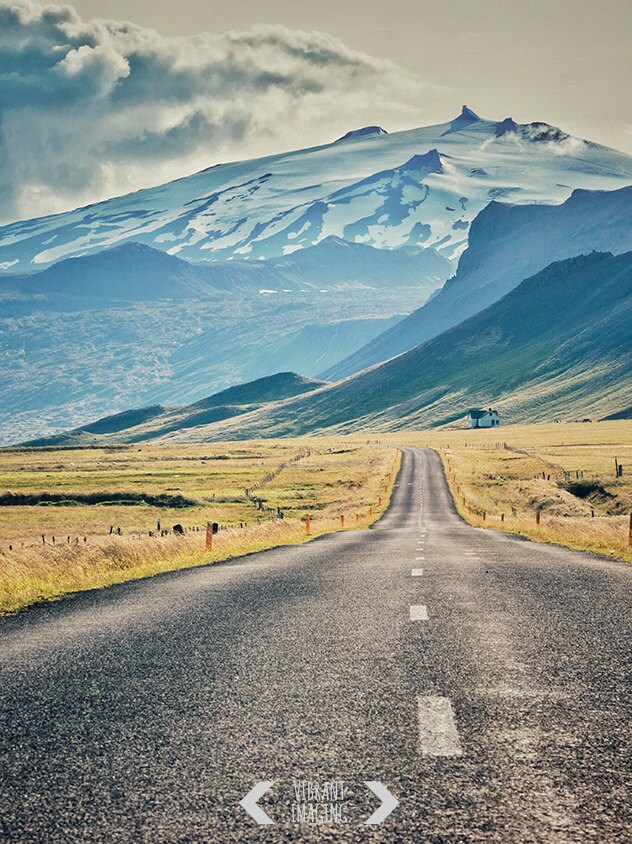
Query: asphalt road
point(490, 692)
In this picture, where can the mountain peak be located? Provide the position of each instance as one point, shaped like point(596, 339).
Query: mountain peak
point(506, 126)
point(430, 161)
point(539, 131)
point(365, 132)
point(468, 114)
point(466, 118)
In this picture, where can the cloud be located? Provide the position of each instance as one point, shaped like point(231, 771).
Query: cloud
point(90, 109)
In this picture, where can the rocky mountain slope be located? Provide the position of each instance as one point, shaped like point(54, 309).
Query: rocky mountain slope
point(507, 244)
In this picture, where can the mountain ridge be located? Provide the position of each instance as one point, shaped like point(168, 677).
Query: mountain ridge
point(268, 207)
point(507, 243)
point(160, 420)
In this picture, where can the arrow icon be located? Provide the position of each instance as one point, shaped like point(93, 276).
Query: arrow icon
point(388, 802)
point(249, 802)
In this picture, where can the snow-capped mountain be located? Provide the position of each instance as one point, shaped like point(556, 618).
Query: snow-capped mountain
point(421, 187)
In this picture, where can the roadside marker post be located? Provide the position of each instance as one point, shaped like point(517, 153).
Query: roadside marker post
point(342, 520)
point(307, 523)
point(630, 531)
point(209, 536)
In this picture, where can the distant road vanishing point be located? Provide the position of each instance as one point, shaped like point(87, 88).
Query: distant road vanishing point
point(481, 680)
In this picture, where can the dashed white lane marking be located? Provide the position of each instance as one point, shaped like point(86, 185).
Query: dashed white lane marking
point(418, 613)
point(438, 735)
point(471, 553)
point(420, 558)
point(417, 572)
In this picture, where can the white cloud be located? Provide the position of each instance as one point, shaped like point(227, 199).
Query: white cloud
point(89, 109)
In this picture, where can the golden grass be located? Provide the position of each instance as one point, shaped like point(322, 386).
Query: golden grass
point(515, 471)
point(340, 476)
point(335, 479)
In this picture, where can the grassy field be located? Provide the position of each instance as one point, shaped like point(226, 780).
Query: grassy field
point(499, 479)
point(48, 549)
point(502, 478)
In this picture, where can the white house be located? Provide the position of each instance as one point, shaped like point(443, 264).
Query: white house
point(483, 418)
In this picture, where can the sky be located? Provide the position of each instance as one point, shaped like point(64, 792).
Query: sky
point(102, 97)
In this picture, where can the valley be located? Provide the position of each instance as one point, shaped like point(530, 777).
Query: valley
point(519, 354)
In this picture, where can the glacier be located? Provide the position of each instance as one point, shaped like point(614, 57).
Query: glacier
point(415, 188)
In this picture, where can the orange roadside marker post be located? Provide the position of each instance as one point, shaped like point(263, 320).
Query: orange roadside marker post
point(307, 523)
point(209, 536)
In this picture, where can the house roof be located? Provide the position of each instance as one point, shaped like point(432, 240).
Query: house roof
point(477, 413)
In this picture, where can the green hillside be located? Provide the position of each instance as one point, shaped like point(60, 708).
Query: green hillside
point(157, 421)
point(558, 346)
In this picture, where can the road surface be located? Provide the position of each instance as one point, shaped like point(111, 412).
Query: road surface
point(482, 679)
